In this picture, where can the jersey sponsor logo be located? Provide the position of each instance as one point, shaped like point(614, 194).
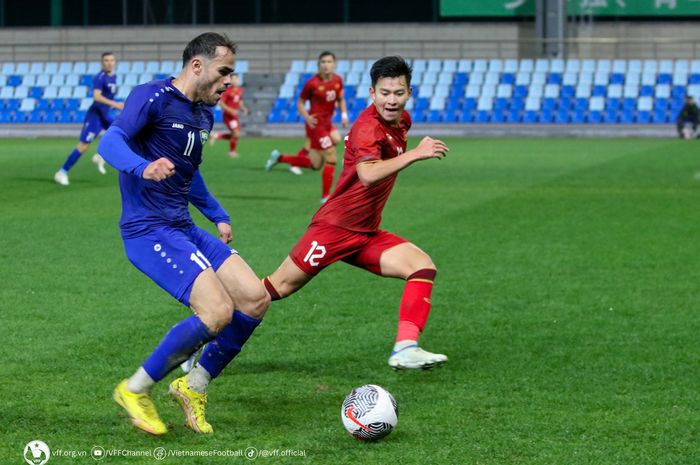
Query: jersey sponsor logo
point(178, 126)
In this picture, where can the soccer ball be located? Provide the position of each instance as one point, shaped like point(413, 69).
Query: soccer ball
point(369, 412)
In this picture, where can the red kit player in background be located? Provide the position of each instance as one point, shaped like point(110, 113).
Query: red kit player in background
point(232, 103)
point(324, 91)
point(346, 227)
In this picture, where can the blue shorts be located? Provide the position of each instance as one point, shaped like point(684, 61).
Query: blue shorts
point(94, 124)
point(174, 257)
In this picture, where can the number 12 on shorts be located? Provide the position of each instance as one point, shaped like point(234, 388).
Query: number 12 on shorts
point(315, 252)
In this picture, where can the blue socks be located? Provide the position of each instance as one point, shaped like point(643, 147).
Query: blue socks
point(182, 340)
point(71, 160)
point(228, 343)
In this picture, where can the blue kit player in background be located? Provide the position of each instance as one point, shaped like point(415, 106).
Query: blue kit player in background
point(97, 119)
point(156, 144)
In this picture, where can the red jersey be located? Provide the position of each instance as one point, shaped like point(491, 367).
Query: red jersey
point(322, 95)
point(232, 97)
point(353, 206)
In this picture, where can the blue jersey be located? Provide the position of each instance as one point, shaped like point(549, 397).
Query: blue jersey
point(108, 85)
point(159, 121)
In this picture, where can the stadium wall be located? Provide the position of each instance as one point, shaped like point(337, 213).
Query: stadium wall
point(270, 48)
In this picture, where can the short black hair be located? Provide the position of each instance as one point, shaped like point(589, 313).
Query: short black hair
point(106, 54)
point(391, 67)
point(326, 53)
point(205, 44)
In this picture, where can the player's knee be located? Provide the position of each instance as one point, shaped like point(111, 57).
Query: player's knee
point(217, 314)
point(424, 262)
point(257, 304)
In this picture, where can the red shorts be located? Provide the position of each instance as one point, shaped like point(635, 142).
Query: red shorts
point(320, 136)
point(232, 122)
point(323, 244)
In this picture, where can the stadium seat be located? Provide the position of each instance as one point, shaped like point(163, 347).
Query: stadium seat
point(530, 116)
point(593, 116)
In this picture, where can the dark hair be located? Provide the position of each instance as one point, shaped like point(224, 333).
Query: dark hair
point(391, 67)
point(326, 53)
point(205, 44)
point(106, 54)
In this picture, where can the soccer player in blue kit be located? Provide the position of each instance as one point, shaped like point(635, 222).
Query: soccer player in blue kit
point(156, 144)
point(97, 118)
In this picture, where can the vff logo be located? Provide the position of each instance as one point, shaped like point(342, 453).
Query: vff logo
point(36, 453)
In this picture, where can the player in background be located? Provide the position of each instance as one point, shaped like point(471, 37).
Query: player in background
point(97, 118)
point(324, 91)
point(231, 102)
point(156, 144)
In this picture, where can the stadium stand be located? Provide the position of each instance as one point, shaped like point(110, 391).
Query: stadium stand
point(518, 91)
point(56, 92)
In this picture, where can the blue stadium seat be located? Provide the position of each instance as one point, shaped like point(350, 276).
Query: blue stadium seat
point(599, 91)
point(548, 104)
point(530, 116)
point(643, 117)
point(422, 103)
point(86, 80)
point(629, 103)
point(612, 102)
point(469, 104)
point(352, 115)
point(568, 91)
point(359, 104)
point(34, 116)
point(646, 91)
point(546, 116)
point(275, 116)
point(450, 116)
point(661, 103)
point(507, 78)
point(514, 116)
point(694, 79)
point(520, 91)
point(218, 115)
point(581, 104)
point(5, 117)
point(554, 78)
point(65, 116)
point(594, 116)
point(664, 78)
point(517, 103)
point(482, 116)
point(290, 117)
point(350, 91)
point(418, 116)
point(627, 115)
point(453, 103)
point(659, 116)
point(158, 76)
point(460, 79)
point(679, 91)
point(434, 116)
point(610, 116)
point(500, 104)
point(466, 116)
point(280, 104)
point(12, 104)
point(14, 80)
point(562, 116)
point(49, 117)
point(498, 116)
point(565, 103)
point(579, 116)
point(617, 78)
point(36, 92)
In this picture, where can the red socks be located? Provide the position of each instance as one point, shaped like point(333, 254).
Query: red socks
point(415, 304)
point(271, 289)
point(327, 179)
point(233, 144)
point(296, 160)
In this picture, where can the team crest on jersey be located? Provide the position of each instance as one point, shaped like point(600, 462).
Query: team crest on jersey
point(321, 88)
point(203, 136)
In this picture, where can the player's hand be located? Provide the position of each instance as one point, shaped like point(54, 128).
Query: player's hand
point(118, 105)
point(311, 121)
point(345, 122)
point(225, 233)
point(158, 170)
point(430, 148)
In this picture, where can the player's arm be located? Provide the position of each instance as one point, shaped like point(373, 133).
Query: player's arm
point(372, 171)
point(114, 146)
point(227, 108)
point(243, 107)
point(343, 109)
point(301, 108)
point(205, 202)
point(99, 98)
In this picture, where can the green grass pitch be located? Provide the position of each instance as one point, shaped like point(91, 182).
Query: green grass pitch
point(567, 299)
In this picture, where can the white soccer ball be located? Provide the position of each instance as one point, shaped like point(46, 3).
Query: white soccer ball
point(369, 412)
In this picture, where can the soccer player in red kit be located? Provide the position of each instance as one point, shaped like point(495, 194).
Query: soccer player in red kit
point(346, 227)
point(324, 91)
point(232, 103)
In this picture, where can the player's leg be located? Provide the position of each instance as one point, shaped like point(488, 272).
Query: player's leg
point(286, 280)
point(97, 158)
point(61, 176)
point(329, 161)
point(233, 141)
point(174, 263)
point(392, 256)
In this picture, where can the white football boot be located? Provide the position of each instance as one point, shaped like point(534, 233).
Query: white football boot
point(273, 160)
point(100, 162)
point(296, 170)
point(413, 357)
point(61, 177)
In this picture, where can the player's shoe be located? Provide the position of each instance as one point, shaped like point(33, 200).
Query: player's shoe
point(273, 160)
point(296, 170)
point(233, 154)
point(140, 409)
point(100, 162)
point(415, 357)
point(193, 405)
point(213, 137)
point(324, 200)
point(61, 177)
